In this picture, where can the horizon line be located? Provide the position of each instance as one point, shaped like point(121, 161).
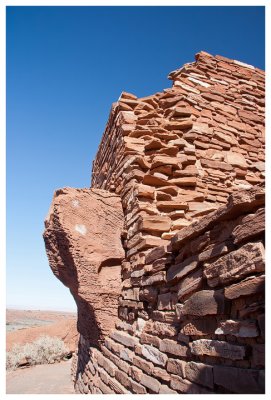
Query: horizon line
point(42, 308)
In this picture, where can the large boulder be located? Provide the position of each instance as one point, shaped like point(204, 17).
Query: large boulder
point(83, 244)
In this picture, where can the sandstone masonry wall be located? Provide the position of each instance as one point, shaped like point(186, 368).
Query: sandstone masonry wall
point(188, 167)
point(194, 318)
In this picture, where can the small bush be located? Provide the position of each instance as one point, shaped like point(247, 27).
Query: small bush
point(44, 350)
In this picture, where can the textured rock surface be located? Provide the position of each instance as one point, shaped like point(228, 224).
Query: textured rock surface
point(188, 166)
point(83, 244)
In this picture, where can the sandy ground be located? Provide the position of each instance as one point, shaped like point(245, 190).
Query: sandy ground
point(24, 326)
point(41, 379)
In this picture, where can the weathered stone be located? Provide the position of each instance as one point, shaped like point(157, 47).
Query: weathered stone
point(213, 251)
point(226, 138)
point(156, 253)
point(148, 294)
point(123, 378)
point(247, 287)
point(238, 380)
point(180, 223)
point(104, 388)
point(153, 279)
point(187, 387)
point(160, 329)
point(212, 97)
point(108, 366)
point(145, 191)
point(131, 294)
point(246, 328)
point(251, 116)
point(235, 159)
point(200, 327)
point(164, 389)
point(176, 272)
point(137, 388)
point(150, 339)
point(154, 355)
point(126, 355)
point(171, 347)
point(215, 164)
point(164, 160)
point(235, 265)
point(251, 225)
point(204, 302)
point(202, 208)
point(176, 367)
point(124, 338)
point(150, 383)
point(155, 223)
point(185, 181)
point(161, 373)
point(116, 386)
point(183, 338)
point(135, 373)
point(216, 348)
point(171, 205)
point(199, 373)
point(240, 201)
point(142, 364)
point(153, 180)
point(156, 266)
point(176, 125)
point(76, 219)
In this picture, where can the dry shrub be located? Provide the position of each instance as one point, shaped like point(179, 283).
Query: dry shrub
point(44, 350)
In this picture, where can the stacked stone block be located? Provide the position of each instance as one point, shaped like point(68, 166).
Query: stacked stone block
point(188, 166)
point(198, 326)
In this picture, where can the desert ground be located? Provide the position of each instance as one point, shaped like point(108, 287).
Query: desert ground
point(25, 326)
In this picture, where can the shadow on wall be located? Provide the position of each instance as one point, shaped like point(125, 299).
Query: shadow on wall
point(58, 244)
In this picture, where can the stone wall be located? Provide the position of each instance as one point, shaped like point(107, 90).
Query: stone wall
point(190, 311)
point(193, 317)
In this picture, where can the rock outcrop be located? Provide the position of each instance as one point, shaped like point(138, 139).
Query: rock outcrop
point(83, 244)
point(174, 250)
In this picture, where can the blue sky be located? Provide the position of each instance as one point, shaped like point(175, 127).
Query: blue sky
point(65, 67)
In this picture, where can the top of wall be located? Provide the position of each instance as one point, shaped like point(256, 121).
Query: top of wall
point(192, 144)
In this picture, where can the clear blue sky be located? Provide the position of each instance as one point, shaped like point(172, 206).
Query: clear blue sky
point(65, 67)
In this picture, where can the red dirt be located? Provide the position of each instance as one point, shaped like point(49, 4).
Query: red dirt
point(63, 326)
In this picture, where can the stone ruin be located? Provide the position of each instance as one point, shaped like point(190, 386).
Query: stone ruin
point(164, 254)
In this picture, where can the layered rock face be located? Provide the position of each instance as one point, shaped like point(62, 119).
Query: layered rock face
point(83, 244)
point(170, 239)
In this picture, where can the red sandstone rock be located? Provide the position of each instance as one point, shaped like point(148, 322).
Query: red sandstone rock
point(89, 267)
point(176, 367)
point(247, 328)
point(179, 154)
point(248, 286)
point(187, 387)
point(200, 327)
point(232, 267)
point(199, 373)
point(217, 348)
point(154, 355)
point(250, 226)
point(239, 380)
point(204, 302)
point(238, 202)
point(171, 347)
